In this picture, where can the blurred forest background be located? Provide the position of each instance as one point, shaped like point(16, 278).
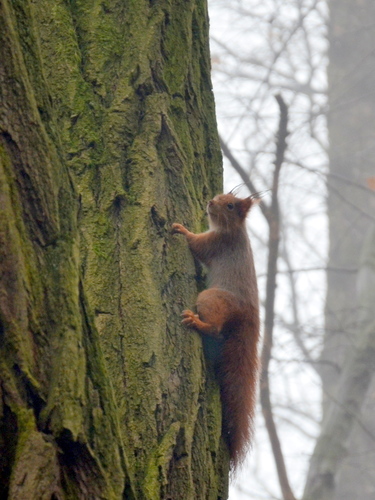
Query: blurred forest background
point(320, 57)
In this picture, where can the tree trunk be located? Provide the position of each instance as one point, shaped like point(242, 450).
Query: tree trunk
point(343, 421)
point(343, 455)
point(351, 123)
point(107, 135)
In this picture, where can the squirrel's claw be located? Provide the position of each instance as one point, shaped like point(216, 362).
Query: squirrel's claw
point(190, 319)
point(178, 228)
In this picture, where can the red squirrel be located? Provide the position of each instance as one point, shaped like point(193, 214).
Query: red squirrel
point(229, 311)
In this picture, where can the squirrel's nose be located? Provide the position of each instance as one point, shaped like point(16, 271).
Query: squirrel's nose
point(210, 203)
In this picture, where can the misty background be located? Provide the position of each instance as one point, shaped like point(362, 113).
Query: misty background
point(320, 57)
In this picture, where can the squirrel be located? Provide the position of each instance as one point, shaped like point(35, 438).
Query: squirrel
point(229, 312)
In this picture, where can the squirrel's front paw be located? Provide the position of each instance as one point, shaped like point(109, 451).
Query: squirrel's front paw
point(190, 319)
point(178, 228)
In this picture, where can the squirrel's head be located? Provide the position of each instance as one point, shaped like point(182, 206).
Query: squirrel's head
point(227, 212)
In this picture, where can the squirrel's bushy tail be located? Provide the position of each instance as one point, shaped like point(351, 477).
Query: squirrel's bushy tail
point(238, 374)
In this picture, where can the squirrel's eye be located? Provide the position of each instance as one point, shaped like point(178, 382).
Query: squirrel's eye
point(230, 206)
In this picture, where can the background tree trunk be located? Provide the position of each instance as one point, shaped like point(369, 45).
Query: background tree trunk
point(348, 430)
point(107, 135)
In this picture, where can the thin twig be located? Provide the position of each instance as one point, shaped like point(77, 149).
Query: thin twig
point(244, 175)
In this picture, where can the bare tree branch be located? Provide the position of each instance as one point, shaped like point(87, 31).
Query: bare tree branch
point(273, 248)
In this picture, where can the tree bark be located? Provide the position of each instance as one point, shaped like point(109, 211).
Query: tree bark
point(107, 135)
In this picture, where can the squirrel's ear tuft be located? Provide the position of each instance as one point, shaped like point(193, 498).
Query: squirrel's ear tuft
point(244, 206)
point(256, 199)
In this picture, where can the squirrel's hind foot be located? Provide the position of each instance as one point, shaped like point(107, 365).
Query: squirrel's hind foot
point(192, 320)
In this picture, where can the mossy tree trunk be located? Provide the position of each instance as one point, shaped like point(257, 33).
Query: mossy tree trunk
point(107, 136)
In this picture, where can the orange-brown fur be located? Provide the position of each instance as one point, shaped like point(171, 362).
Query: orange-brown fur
point(229, 311)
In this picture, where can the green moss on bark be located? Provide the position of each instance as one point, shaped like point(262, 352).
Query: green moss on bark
point(123, 143)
